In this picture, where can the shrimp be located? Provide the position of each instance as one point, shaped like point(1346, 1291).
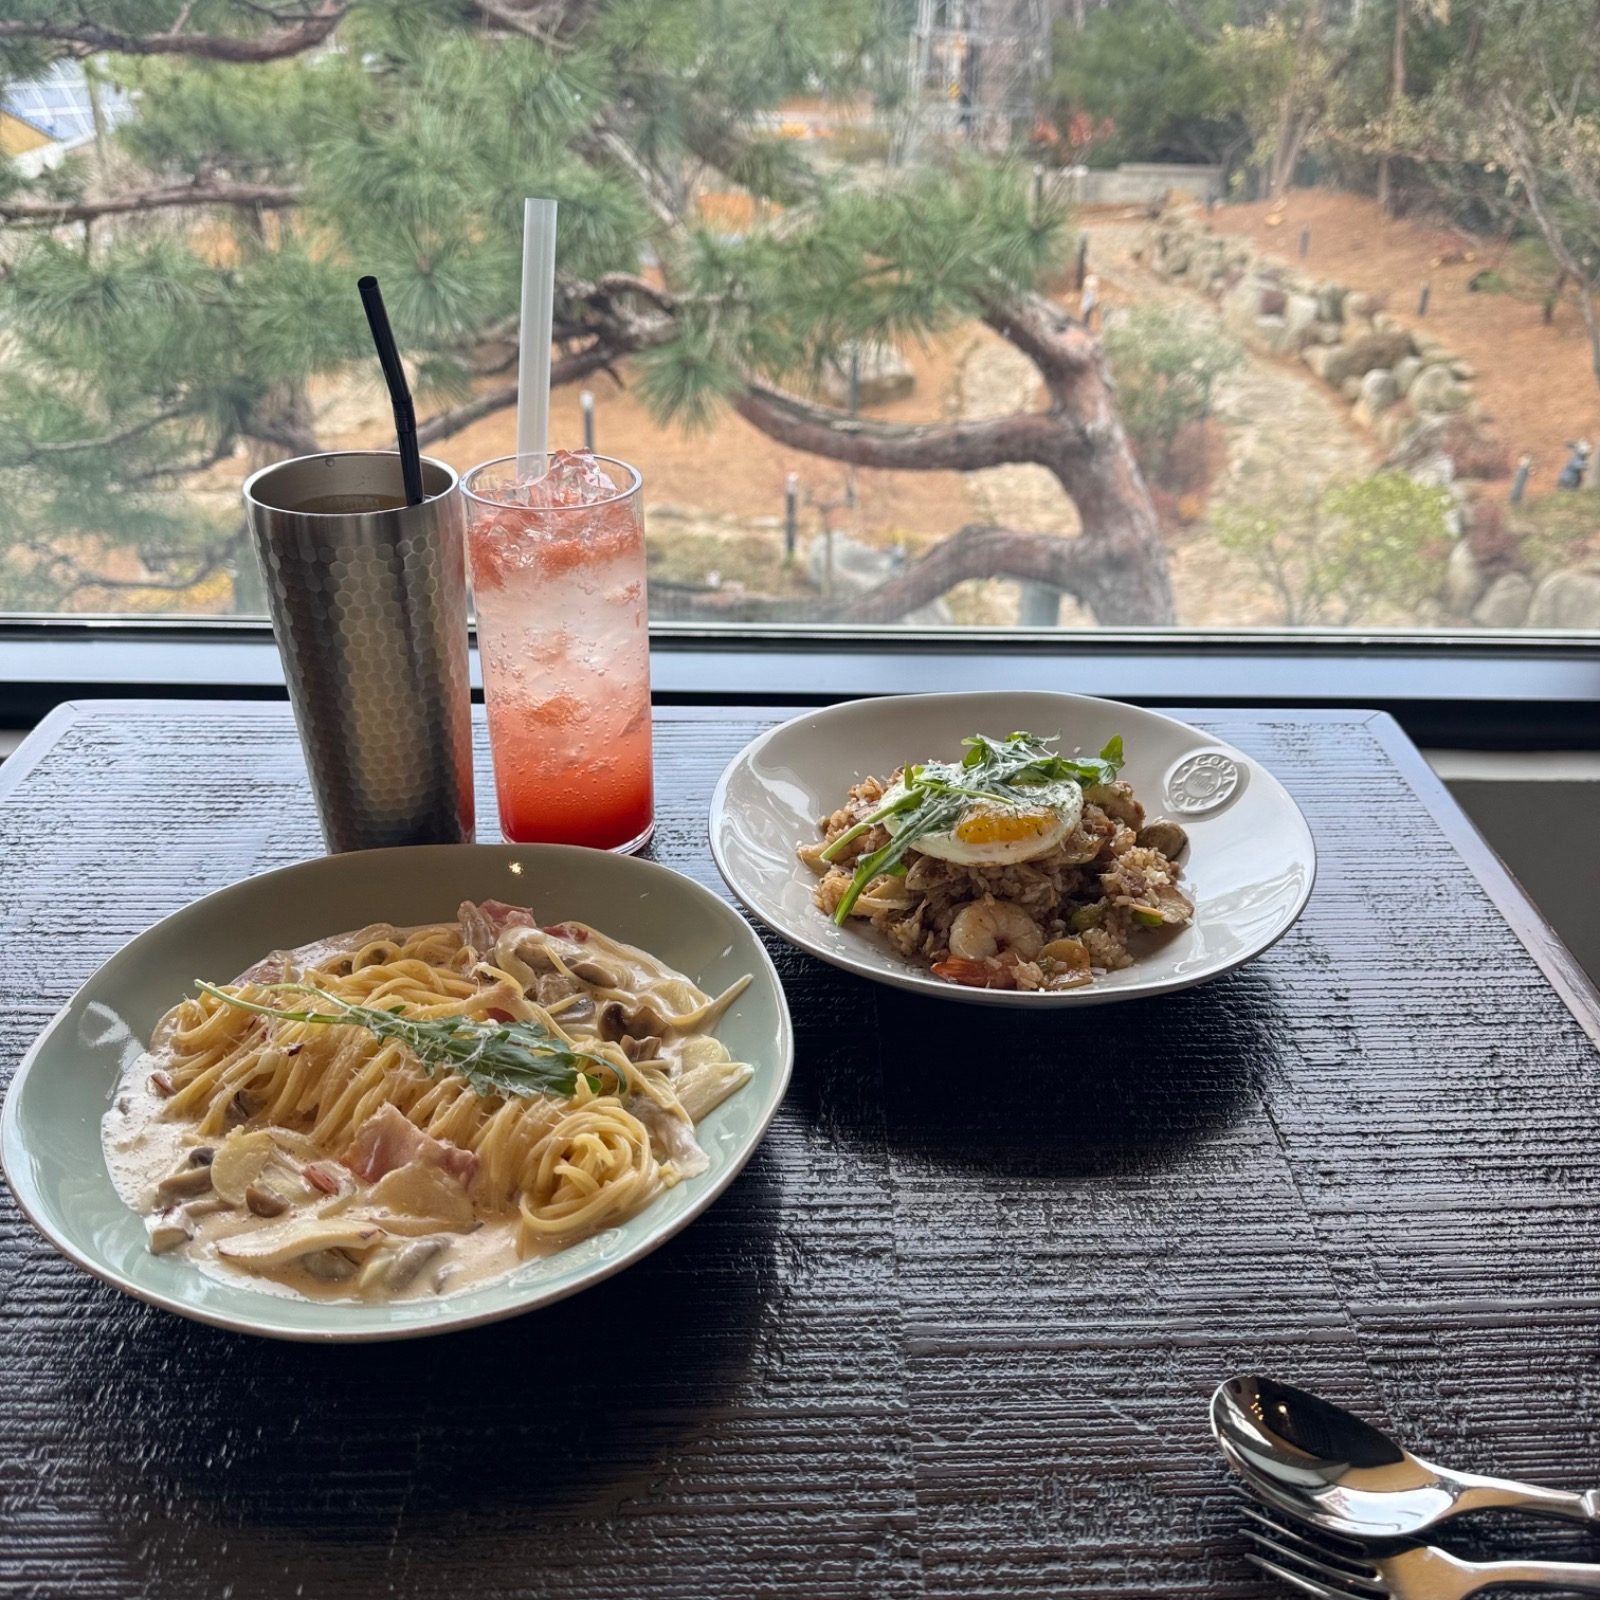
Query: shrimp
point(987, 926)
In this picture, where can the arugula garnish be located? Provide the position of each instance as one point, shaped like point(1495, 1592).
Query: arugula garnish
point(512, 1058)
point(938, 792)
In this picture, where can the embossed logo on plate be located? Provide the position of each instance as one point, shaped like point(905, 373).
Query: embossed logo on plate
point(1204, 781)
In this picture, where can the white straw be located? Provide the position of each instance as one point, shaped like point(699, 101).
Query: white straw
point(538, 301)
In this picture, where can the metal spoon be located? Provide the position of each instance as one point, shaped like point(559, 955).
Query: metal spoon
point(1319, 1463)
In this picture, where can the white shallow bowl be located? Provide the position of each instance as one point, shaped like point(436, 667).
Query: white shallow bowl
point(1249, 868)
point(50, 1128)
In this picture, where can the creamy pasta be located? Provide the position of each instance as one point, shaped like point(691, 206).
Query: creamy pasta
point(405, 1111)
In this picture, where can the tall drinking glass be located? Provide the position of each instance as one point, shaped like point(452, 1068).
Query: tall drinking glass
point(558, 576)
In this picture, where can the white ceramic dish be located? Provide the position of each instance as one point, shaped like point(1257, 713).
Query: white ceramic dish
point(50, 1128)
point(1249, 868)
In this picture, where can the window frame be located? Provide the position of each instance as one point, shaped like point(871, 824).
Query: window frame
point(1468, 690)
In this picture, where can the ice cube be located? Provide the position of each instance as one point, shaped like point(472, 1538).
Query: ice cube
point(574, 478)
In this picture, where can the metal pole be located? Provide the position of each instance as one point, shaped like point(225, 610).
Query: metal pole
point(586, 401)
point(791, 514)
point(1422, 299)
point(1519, 484)
point(1083, 258)
point(1305, 242)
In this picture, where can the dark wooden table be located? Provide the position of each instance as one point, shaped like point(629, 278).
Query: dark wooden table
point(952, 1332)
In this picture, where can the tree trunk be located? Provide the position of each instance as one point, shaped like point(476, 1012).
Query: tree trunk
point(1117, 565)
point(1397, 94)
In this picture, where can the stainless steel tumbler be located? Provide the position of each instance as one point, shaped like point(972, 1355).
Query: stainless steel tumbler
point(370, 611)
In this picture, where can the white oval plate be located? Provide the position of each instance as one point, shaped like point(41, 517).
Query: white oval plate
point(1249, 868)
point(50, 1128)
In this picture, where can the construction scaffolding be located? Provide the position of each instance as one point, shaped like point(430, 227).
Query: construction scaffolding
point(976, 66)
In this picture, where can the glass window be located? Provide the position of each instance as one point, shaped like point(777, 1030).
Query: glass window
point(1020, 314)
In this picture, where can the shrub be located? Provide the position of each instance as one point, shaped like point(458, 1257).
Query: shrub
point(1166, 370)
point(1331, 559)
point(1557, 530)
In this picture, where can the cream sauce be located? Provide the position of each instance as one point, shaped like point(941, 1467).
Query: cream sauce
point(143, 1145)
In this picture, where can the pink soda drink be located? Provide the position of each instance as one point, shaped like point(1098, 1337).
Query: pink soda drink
point(558, 575)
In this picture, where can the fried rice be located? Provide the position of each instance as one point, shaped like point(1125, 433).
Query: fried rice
point(1092, 902)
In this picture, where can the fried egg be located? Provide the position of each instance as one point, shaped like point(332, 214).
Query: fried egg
point(990, 834)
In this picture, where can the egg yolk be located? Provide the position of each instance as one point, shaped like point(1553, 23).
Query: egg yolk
point(1002, 827)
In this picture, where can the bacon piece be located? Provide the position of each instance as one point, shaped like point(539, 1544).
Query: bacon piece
point(483, 923)
point(387, 1140)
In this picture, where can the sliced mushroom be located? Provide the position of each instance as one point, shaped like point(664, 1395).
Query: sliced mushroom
point(647, 1049)
point(1163, 834)
point(277, 1247)
point(186, 1182)
point(612, 1023)
point(1166, 906)
point(167, 1231)
point(1067, 964)
point(329, 1266)
point(1116, 800)
point(209, 1205)
point(600, 974)
point(265, 1201)
point(408, 1261)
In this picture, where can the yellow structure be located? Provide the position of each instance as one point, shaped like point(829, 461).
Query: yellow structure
point(18, 136)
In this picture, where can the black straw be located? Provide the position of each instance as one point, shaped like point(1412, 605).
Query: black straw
point(405, 414)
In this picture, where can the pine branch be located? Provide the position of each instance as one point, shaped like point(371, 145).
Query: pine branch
point(598, 357)
point(901, 446)
point(551, 22)
point(107, 441)
point(30, 212)
point(980, 550)
point(85, 38)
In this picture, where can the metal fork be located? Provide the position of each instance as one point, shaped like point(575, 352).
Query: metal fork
point(1331, 1568)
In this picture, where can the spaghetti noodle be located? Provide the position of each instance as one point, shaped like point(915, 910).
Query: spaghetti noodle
point(481, 1090)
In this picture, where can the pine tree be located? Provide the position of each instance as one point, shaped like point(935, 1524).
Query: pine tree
point(178, 311)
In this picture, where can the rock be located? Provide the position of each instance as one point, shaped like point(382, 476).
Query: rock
point(1383, 322)
point(1351, 389)
point(1272, 332)
point(1405, 373)
point(763, 524)
point(1393, 425)
point(1435, 471)
point(1431, 350)
point(1505, 603)
point(1464, 370)
point(1317, 357)
point(1376, 393)
point(1464, 580)
point(1435, 391)
point(1300, 320)
point(666, 512)
point(1328, 332)
point(1568, 599)
point(1330, 302)
point(884, 375)
point(1358, 303)
point(1244, 304)
point(1365, 351)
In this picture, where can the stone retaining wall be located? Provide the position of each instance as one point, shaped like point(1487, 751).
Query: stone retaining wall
point(1411, 392)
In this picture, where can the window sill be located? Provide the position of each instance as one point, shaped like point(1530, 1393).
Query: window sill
point(1470, 691)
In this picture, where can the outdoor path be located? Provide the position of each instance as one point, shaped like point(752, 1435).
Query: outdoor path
point(1287, 438)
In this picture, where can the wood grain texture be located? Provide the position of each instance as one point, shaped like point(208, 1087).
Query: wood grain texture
point(953, 1331)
